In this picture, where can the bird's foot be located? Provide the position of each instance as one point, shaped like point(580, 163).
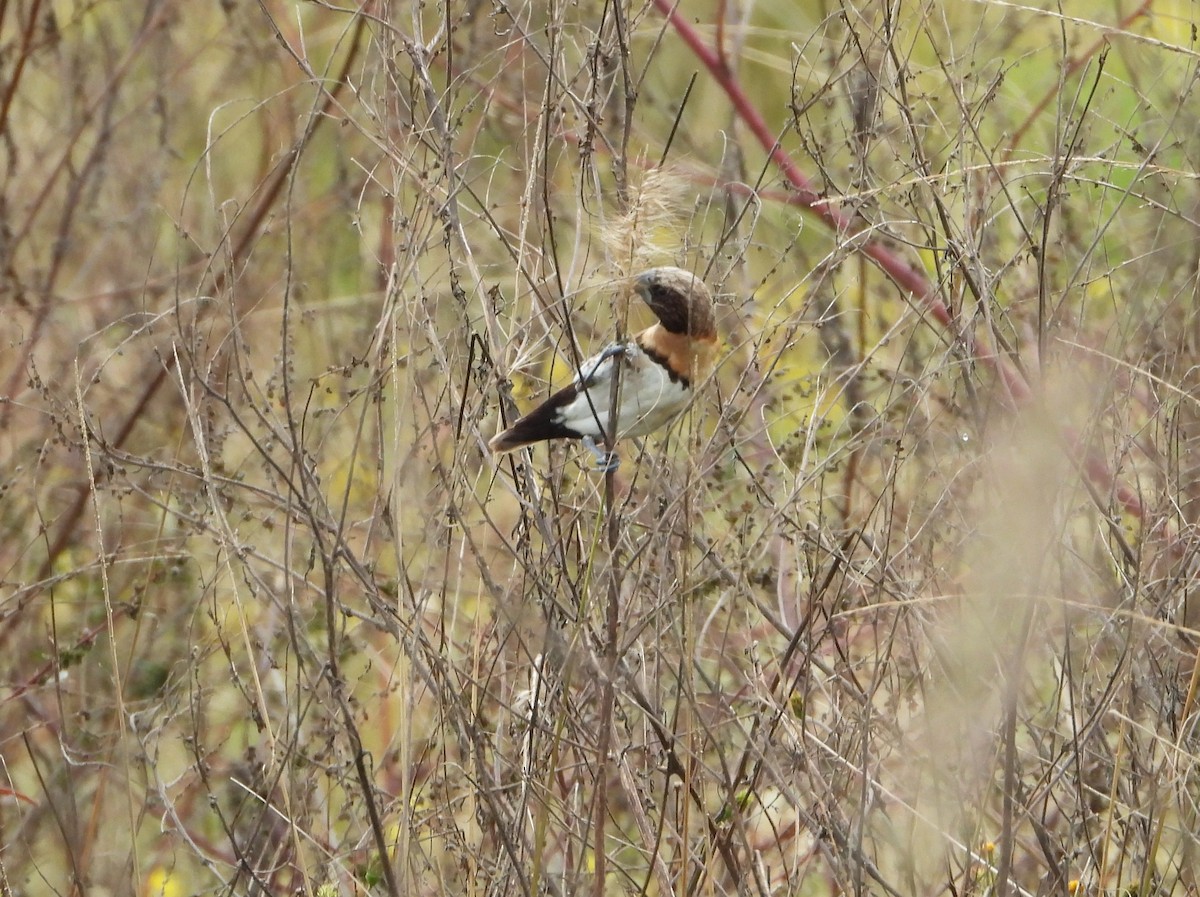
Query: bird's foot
point(606, 462)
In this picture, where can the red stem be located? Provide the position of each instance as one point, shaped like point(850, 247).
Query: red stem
point(1018, 391)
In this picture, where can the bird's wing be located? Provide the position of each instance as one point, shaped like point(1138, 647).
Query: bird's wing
point(650, 394)
point(579, 409)
point(583, 407)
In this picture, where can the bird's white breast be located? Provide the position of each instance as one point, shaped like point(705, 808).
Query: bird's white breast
point(648, 399)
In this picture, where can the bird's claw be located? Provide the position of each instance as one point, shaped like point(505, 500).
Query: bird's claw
point(606, 462)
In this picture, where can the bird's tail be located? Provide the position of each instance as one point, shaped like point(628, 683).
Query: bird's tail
point(537, 426)
point(510, 440)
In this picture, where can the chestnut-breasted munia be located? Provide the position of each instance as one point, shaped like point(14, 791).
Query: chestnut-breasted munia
point(659, 370)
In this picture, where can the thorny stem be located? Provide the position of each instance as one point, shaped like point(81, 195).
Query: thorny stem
point(609, 661)
point(611, 622)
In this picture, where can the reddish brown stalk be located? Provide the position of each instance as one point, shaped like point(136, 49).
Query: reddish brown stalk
point(1069, 69)
point(1017, 391)
point(19, 60)
point(256, 218)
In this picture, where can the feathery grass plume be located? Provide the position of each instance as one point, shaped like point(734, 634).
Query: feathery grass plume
point(647, 231)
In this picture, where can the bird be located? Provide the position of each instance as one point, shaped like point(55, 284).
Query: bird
point(659, 370)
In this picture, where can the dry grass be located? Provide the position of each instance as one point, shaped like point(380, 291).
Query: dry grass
point(901, 607)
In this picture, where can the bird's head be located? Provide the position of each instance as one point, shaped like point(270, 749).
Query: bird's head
point(679, 299)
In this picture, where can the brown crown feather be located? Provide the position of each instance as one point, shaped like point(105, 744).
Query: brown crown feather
point(679, 299)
